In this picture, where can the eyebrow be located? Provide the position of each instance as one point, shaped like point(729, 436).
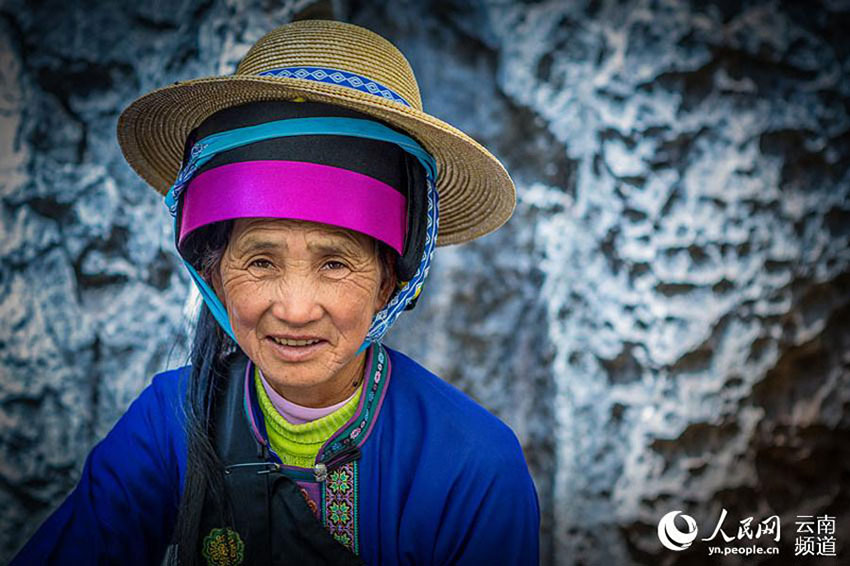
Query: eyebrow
point(252, 245)
point(333, 247)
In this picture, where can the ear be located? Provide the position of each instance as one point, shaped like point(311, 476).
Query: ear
point(214, 278)
point(388, 284)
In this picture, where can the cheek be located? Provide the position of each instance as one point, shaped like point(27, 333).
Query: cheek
point(245, 301)
point(351, 305)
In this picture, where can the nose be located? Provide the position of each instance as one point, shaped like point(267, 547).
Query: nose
point(296, 301)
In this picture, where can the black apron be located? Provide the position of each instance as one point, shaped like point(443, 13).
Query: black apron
point(273, 522)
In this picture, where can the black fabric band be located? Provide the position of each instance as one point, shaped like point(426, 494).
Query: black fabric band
point(378, 159)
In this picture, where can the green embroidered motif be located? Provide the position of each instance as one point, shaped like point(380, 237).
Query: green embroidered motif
point(223, 547)
point(339, 481)
point(339, 512)
point(339, 505)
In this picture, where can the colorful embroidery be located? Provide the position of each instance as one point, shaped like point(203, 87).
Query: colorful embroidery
point(365, 419)
point(339, 509)
point(339, 481)
point(310, 503)
point(312, 492)
point(339, 512)
point(223, 547)
point(337, 77)
point(340, 488)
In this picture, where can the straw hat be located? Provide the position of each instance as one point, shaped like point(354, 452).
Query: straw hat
point(336, 63)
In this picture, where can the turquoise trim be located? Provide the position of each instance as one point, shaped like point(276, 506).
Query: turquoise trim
point(211, 299)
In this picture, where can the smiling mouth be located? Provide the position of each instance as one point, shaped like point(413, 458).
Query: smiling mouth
point(297, 349)
point(290, 342)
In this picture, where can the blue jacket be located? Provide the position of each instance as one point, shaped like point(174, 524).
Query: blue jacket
point(440, 480)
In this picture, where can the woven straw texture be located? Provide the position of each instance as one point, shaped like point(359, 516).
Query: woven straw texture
point(476, 193)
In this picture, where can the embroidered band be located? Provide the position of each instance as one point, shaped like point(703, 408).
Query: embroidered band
point(337, 77)
point(341, 505)
point(299, 191)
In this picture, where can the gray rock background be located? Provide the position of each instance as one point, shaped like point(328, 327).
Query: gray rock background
point(664, 321)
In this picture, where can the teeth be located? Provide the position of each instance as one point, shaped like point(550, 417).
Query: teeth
point(286, 342)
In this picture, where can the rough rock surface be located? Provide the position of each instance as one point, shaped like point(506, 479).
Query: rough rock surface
point(664, 322)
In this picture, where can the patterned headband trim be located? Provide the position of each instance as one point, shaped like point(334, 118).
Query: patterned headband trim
point(337, 77)
point(206, 148)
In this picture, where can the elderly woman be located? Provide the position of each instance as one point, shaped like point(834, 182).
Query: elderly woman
point(304, 190)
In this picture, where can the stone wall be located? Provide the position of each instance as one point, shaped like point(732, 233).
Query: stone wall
point(663, 322)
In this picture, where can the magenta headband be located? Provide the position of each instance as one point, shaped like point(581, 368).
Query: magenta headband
point(295, 190)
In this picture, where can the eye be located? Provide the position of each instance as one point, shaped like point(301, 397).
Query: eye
point(260, 263)
point(334, 265)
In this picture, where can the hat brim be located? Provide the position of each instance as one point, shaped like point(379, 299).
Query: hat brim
point(476, 193)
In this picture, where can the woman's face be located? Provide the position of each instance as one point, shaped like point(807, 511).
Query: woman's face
point(300, 297)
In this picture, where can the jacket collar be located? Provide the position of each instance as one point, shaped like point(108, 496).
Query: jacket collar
point(345, 443)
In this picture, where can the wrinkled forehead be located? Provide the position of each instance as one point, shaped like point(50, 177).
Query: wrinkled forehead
point(276, 234)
